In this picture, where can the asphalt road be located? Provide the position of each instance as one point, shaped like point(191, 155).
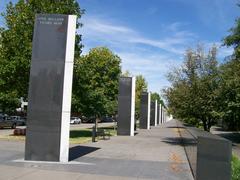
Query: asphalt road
point(8, 131)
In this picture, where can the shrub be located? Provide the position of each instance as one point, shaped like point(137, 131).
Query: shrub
point(235, 168)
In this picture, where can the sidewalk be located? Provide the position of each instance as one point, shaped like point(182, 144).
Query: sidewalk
point(151, 154)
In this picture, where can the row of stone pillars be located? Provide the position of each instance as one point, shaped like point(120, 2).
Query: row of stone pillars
point(152, 113)
point(50, 89)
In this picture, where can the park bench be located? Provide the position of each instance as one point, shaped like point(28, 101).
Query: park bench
point(103, 133)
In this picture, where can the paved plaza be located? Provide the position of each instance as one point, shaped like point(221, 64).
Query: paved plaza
point(151, 154)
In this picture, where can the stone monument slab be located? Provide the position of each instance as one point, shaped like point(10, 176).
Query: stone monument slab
point(50, 88)
point(153, 118)
point(145, 110)
point(126, 106)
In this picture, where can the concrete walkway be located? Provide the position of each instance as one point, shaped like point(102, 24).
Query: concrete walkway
point(151, 154)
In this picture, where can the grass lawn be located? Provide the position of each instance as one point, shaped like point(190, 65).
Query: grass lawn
point(77, 136)
point(85, 135)
point(12, 137)
point(235, 168)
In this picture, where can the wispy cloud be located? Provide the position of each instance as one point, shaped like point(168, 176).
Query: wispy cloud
point(152, 10)
point(97, 25)
point(153, 67)
point(215, 13)
point(104, 30)
point(140, 54)
point(222, 51)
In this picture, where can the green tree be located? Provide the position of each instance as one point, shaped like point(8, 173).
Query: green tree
point(229, 91)
point(141, 85)
point(95, 87)
point(16, 44)
point(193, 94)
point(233, 39)
point(156, 96)
point(229, 94)
point(126, 74)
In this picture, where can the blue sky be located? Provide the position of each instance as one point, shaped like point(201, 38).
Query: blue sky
point(151, 36)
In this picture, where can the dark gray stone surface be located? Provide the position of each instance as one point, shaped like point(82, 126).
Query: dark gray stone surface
point(213, 158)
point(145, 110)
point(158, 114)
point(209, 155)
point(153, 117)
point(49, 97)
point(161, 117)
point(126, 106)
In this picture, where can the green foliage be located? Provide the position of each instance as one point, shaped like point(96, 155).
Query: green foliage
point(235, 168)
point(234, 38)
point(95, 82)
point(81, 136)
point(203, 93)
point(156, 96)
point(229, 94)
point(229, 91)
point(193, 95)
point(126, 74)
point(16, 44)
point(141, 85)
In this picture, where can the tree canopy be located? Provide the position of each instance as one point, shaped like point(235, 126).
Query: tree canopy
point(229, 91)
point(141, 85)
point(192, 96)
point(16, 45)
point(95, 83)
point(156, 96)
point(233, 39)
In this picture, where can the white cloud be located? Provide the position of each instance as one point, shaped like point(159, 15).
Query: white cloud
point(222, 51)
point(153, 67)
point(225, 51)
point(140, 54)
point(96, 25)
point(107, 31)
point(136, 50)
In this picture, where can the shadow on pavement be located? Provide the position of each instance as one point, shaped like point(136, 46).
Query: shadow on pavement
point(179, 141)
point(180, 127)
point(79, 151)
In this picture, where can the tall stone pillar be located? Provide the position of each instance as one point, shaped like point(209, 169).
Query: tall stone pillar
point(126, 106)
point(153, 118)
point(50, 88)
point(145, 110)
point(159, 113)
point(163, 115)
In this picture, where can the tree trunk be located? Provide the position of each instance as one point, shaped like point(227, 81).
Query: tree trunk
point(205, 125)
point(208, 125)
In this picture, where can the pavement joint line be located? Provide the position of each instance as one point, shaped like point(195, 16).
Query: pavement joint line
point(25, 174)
point(53, 162)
